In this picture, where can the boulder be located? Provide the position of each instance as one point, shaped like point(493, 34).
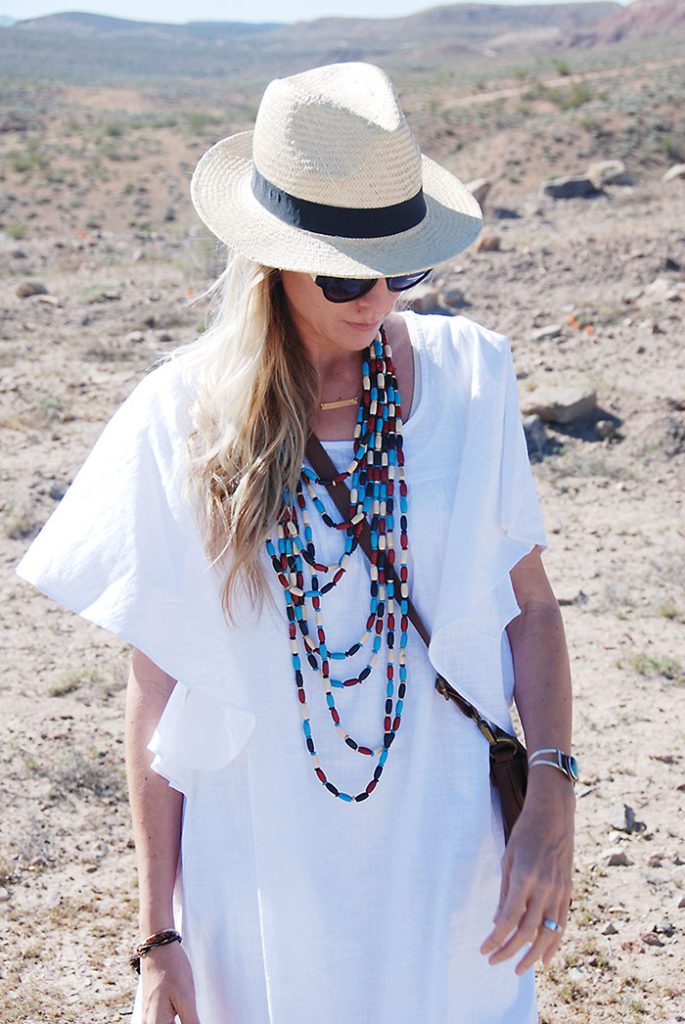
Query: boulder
point(28, 288)
point(572, 187)
point(662, 289)
point(536, 435)
point(479, 189)
point(489, 242)
point(453, 297)
point(560, 403)
point(426, 298)
point(616, 857)
point(548, 331)
point(608, 172)
point(677, 171)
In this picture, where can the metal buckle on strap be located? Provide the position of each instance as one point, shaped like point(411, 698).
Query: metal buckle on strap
point(449, 693)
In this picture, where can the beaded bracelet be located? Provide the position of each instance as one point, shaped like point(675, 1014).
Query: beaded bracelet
point(162, 938)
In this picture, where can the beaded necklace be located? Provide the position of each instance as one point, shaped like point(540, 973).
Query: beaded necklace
point(377, 488)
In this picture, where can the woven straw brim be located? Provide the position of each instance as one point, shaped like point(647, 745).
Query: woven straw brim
point(222, 195)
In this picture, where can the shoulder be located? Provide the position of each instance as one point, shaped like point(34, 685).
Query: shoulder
point(159, 402)
point(458, 343)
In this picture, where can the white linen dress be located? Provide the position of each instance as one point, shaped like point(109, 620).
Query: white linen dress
point(296, 906)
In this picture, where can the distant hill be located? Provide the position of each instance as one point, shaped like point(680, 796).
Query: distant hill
point(81, 23)
point(6, 21)
point(642, 19)
point(97, 48)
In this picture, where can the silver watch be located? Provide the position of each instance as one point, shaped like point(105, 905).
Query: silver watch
point(556, 758)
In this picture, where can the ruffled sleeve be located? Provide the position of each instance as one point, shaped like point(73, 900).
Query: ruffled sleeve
point(123, 550)
point(495, 521)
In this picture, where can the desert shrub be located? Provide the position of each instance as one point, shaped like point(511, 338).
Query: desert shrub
point(669, 147)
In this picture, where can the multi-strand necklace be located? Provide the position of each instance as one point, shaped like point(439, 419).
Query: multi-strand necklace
point(378, 492)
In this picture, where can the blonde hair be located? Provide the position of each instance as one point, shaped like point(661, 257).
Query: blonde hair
point(255, 394)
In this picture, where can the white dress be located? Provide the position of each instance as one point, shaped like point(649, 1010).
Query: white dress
point(296, 906)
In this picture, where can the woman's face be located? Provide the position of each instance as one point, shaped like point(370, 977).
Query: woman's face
point(335, 328)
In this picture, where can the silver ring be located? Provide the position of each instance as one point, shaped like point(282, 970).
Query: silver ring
point(553, 926)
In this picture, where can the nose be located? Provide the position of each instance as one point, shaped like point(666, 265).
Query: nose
point(380, 297)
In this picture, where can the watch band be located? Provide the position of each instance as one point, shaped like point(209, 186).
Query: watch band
point(555, 758)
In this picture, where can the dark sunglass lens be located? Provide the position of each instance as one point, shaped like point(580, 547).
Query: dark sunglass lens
point(343, 289)
point(404, 281)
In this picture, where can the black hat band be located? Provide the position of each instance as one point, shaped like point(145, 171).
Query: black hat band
point(339, 221)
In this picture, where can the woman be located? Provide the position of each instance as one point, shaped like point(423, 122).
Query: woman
point(330, 855)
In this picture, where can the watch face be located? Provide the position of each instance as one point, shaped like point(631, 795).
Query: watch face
point(572, 767)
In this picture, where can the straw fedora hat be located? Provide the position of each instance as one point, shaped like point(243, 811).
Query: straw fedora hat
point(331, 181)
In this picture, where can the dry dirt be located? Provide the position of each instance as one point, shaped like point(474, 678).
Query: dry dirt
point(613, 509)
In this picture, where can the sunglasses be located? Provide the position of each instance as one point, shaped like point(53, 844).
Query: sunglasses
point(344, 289)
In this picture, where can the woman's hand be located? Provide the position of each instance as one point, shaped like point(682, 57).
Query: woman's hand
point(167, 986)
point(536, 873)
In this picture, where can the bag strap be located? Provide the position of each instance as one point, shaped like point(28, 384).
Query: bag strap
point(339, 492)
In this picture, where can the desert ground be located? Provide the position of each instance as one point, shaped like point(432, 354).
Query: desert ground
point(591, 292)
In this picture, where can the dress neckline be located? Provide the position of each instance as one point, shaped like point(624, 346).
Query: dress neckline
point(419, 374)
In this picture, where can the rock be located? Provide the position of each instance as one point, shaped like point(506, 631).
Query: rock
point(651, 939)
point(18, 254)
point(608, 172)
point(656, 860)
point(677, 171)
point(681, 903)
point(662, 289)
point(665, 927)
point(548, 331)
point(490, 242)
point(536, 435)
point(164, 337)
point(453, 297)
point(572, 187)
point(560, 403)
point(135, 337)
point(28, 288)
point(4, 894)
point(622, 818)
point(606, 430)
point(48, 300)
point(609, 929)
point(616, 857)
point(426, 298)
point(57, 490)
point(479, 189)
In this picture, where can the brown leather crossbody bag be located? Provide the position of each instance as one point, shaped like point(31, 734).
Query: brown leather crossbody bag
point(508, 760)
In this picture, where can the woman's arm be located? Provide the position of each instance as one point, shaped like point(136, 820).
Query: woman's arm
point(156, 813)
point(537, 865)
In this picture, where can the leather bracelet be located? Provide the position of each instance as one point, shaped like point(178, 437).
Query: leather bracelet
point(163, 938)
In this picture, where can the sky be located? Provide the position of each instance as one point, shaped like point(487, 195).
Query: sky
point(224, 10)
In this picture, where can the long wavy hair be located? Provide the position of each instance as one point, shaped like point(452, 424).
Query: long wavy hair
point(255, 394)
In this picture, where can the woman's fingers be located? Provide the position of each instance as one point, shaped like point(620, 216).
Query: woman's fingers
point(519, 925)
point(508, 917)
